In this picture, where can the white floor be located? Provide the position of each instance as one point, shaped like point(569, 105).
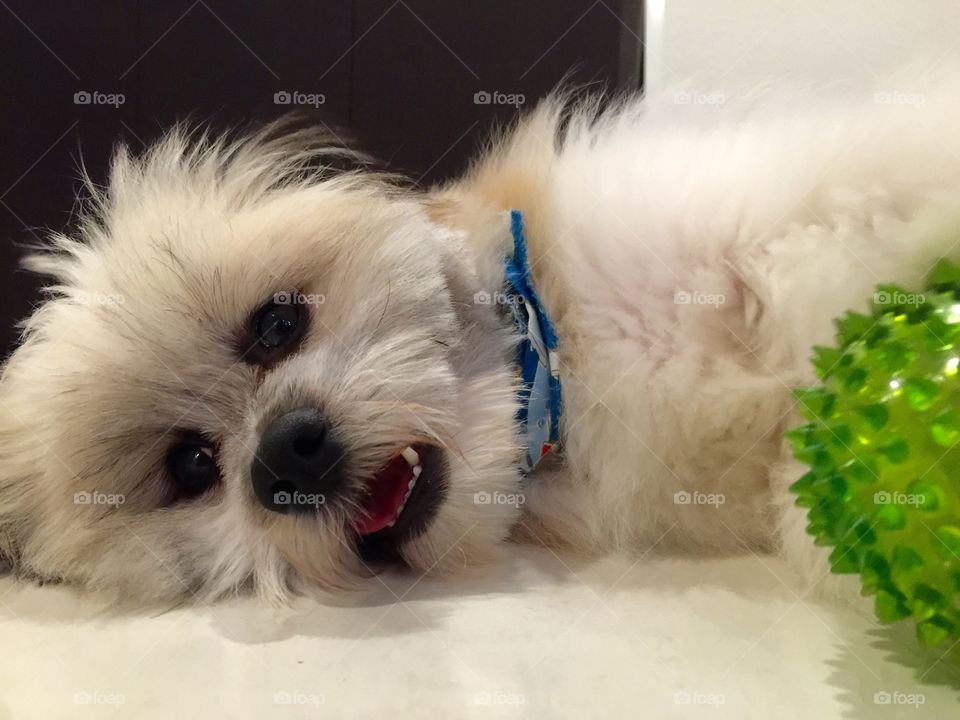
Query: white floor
point(539, 638)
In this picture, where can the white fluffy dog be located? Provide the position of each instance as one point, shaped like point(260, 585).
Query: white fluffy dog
point(253, 372)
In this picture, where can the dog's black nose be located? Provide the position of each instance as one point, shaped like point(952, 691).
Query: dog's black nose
point(297, 467)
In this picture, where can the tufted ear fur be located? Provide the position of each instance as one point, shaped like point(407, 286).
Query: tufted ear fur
point(25, 456)
point(17, 483)
point(20, 462)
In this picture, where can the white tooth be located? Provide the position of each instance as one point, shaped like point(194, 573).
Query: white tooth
point(410, 485)
point(391, 523)
point(417, 469)
point(410, 455)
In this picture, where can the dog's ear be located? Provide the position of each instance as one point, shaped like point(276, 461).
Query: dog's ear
point(6, 563)
point(9, 524)
point(21, 456)
point(445, 209)
point(9, 544)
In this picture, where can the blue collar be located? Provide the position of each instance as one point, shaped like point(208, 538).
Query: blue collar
point(541, 401)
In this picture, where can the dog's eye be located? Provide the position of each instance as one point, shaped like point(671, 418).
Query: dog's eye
point(193, 467)
point(276, 325)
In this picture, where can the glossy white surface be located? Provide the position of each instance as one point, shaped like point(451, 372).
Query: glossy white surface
point(539, 637)
point(737, 46)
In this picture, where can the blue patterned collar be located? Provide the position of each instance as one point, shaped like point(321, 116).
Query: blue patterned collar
point(541, 400)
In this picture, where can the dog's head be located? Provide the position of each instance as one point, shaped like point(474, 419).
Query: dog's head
point(250, 373)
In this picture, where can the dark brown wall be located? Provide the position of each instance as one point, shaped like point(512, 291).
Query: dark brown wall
point(402, 74)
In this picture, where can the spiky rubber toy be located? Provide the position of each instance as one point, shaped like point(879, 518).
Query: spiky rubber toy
point(883, 488)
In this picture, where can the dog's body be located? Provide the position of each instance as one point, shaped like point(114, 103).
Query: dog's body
point(691, 270)
point(688, 270)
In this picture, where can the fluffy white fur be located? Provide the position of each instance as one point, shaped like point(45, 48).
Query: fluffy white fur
point(783, 217)
point(787, 215)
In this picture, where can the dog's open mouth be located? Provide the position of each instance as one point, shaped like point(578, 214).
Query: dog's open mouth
point(401, 501)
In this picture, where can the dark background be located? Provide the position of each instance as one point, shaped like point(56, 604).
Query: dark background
point(402, 75)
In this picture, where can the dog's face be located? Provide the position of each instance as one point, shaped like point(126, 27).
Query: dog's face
point(250, 378)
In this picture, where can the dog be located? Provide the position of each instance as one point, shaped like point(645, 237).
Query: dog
point(253, 372)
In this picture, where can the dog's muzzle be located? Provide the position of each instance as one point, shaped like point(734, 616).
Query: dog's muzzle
point(297, 466)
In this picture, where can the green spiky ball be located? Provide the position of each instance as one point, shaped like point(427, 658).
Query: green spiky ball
point(883, 488)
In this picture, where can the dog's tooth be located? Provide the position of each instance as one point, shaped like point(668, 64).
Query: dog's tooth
point(417, 469)
point(410, 486)
point(411, 456)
